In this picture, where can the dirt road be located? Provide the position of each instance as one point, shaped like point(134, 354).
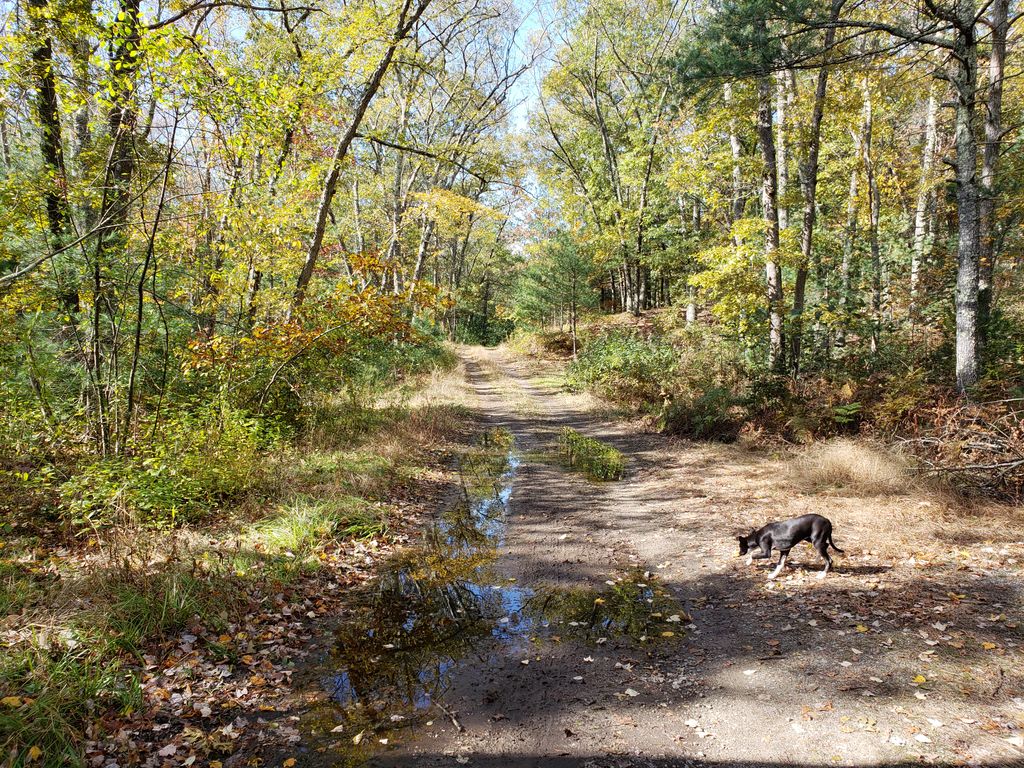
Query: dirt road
point(555, 621)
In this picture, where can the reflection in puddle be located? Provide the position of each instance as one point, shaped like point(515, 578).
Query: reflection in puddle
point(434, 604)
point(443, 601)
point(634, 606)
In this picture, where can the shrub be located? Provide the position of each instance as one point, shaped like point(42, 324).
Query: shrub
point(710, 415)
point(194, 462)
point(623, 365)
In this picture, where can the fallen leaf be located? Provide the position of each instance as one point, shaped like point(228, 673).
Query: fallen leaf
point(34, 753)
point(631, 692)
point(11, 701)
point(288, 763)
point(920, 679)
point(922, 738)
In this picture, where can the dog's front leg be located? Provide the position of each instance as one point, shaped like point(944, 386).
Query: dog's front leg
point(780, 566)
point(764, 554)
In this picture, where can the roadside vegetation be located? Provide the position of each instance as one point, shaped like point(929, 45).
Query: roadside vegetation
point(690, 379)
point(103, 574)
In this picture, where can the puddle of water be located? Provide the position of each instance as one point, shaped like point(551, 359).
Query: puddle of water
point(443, 602)
point(433, 605)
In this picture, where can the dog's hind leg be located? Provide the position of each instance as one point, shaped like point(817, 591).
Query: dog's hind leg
point(781, 565)
point(822, 546)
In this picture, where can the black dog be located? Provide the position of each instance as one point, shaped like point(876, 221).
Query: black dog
point(785, 535)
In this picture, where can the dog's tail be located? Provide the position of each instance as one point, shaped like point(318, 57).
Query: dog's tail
point(833, 544)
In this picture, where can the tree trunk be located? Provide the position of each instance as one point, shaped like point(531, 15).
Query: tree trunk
point(874, 213)
point(406, 21)
point(990, 158)
point(968, 195)
point(784, 100)
point(47, 113)
point(808, 171)
point(770, 210)
point(924, 196)
point(847, 264)
point(737, 172)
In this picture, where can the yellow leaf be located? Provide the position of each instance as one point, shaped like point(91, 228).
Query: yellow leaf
point(34, 753)
point(668, 634)
point(861, 628)
point(216, 764)
point(11, 701)
point(288, 763)
point(920, 679)
point(988, 646)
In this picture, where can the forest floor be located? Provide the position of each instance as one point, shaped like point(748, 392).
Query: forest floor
point(543, 619)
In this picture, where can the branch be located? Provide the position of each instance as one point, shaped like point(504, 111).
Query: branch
point(227, 4)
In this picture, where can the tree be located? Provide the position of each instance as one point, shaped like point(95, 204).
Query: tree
point(557, 284)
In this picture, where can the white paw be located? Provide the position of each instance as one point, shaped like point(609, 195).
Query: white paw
point(750, 559)
point(822, 574)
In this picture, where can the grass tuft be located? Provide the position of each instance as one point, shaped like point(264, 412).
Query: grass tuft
point(854, 466)
point(592, 457)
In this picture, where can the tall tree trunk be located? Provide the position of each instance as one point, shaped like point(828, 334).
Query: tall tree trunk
point(407, 19)
point(737, 172)
point(52, 149)
point(770, 210)
point(865, 142)
point(784, 101)
point(808, 171)
point(847, 263)
point(47, 113)
point(990, 158)
point(924, 197)
point(968, 195)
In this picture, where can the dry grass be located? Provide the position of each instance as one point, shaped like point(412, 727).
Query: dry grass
point(854, 467)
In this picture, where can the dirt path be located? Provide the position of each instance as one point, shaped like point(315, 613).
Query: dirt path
point(694, 658)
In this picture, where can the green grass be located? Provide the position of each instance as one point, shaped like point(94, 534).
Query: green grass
point(156, 606)
point(47, 696)
point(17, 589)
point(592, 457)
point(306, 524)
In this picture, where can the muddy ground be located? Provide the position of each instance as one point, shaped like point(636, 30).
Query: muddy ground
point(550, 620)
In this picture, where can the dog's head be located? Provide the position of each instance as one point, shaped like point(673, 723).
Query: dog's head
point(746, 542)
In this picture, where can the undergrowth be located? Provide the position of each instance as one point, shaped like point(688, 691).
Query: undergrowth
point(692, 381)
point(220, 511)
